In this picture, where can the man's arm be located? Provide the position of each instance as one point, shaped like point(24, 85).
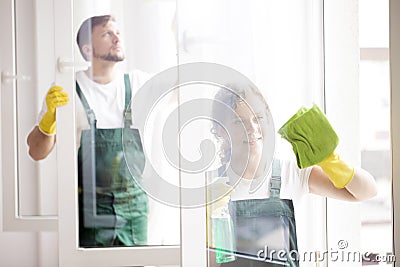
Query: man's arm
point(40, 145)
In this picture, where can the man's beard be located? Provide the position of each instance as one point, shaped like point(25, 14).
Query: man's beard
point(109, 57)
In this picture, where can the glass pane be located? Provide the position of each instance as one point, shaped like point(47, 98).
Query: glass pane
point(376, 231)
point(256, 39)
point(120, 153)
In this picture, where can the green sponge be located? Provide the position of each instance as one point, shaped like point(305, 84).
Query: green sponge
point(311, 135)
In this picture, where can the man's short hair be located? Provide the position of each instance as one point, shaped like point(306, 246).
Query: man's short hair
point(84, 35)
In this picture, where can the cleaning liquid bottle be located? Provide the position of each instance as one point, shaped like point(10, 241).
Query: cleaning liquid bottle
point(223, 234)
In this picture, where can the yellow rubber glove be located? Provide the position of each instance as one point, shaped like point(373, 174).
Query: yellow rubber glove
point(54, 98)
point(338, 171)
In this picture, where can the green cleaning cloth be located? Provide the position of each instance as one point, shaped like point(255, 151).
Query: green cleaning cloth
point(311, 135)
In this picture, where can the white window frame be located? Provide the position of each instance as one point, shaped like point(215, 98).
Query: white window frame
point(188, 254)
point(341, 79)
point(394, 57)
point(12, 219)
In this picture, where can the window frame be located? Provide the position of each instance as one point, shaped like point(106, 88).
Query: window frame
point(13, 220)
point(394, 58)
point(70, 254)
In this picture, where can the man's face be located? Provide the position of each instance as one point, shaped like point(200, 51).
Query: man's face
point(106, 43)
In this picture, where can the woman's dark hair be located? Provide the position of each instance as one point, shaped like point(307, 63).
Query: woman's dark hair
point(229, 96)
point(84, 35)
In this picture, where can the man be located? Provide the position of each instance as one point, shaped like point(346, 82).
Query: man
point(108, 169)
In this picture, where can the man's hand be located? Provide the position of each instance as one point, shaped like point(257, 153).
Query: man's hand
point(55, 98)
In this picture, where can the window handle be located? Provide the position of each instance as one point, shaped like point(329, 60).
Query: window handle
point(8, 77)
point(65, 64)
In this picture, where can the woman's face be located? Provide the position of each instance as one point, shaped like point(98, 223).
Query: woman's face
point(246, 131)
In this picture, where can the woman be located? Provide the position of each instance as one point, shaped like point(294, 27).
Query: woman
point(261, 204)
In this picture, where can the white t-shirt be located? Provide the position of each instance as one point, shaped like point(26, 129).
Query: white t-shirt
point(106, 100)
point(294, 184)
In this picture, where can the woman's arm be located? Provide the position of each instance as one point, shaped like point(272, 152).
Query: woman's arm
point(361, 187)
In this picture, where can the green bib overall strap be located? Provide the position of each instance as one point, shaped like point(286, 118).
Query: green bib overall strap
point(128, 109)
point(90, 113)
point(113, 208)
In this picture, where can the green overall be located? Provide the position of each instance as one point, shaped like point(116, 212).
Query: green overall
point(263, 226)
point(113, 209)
